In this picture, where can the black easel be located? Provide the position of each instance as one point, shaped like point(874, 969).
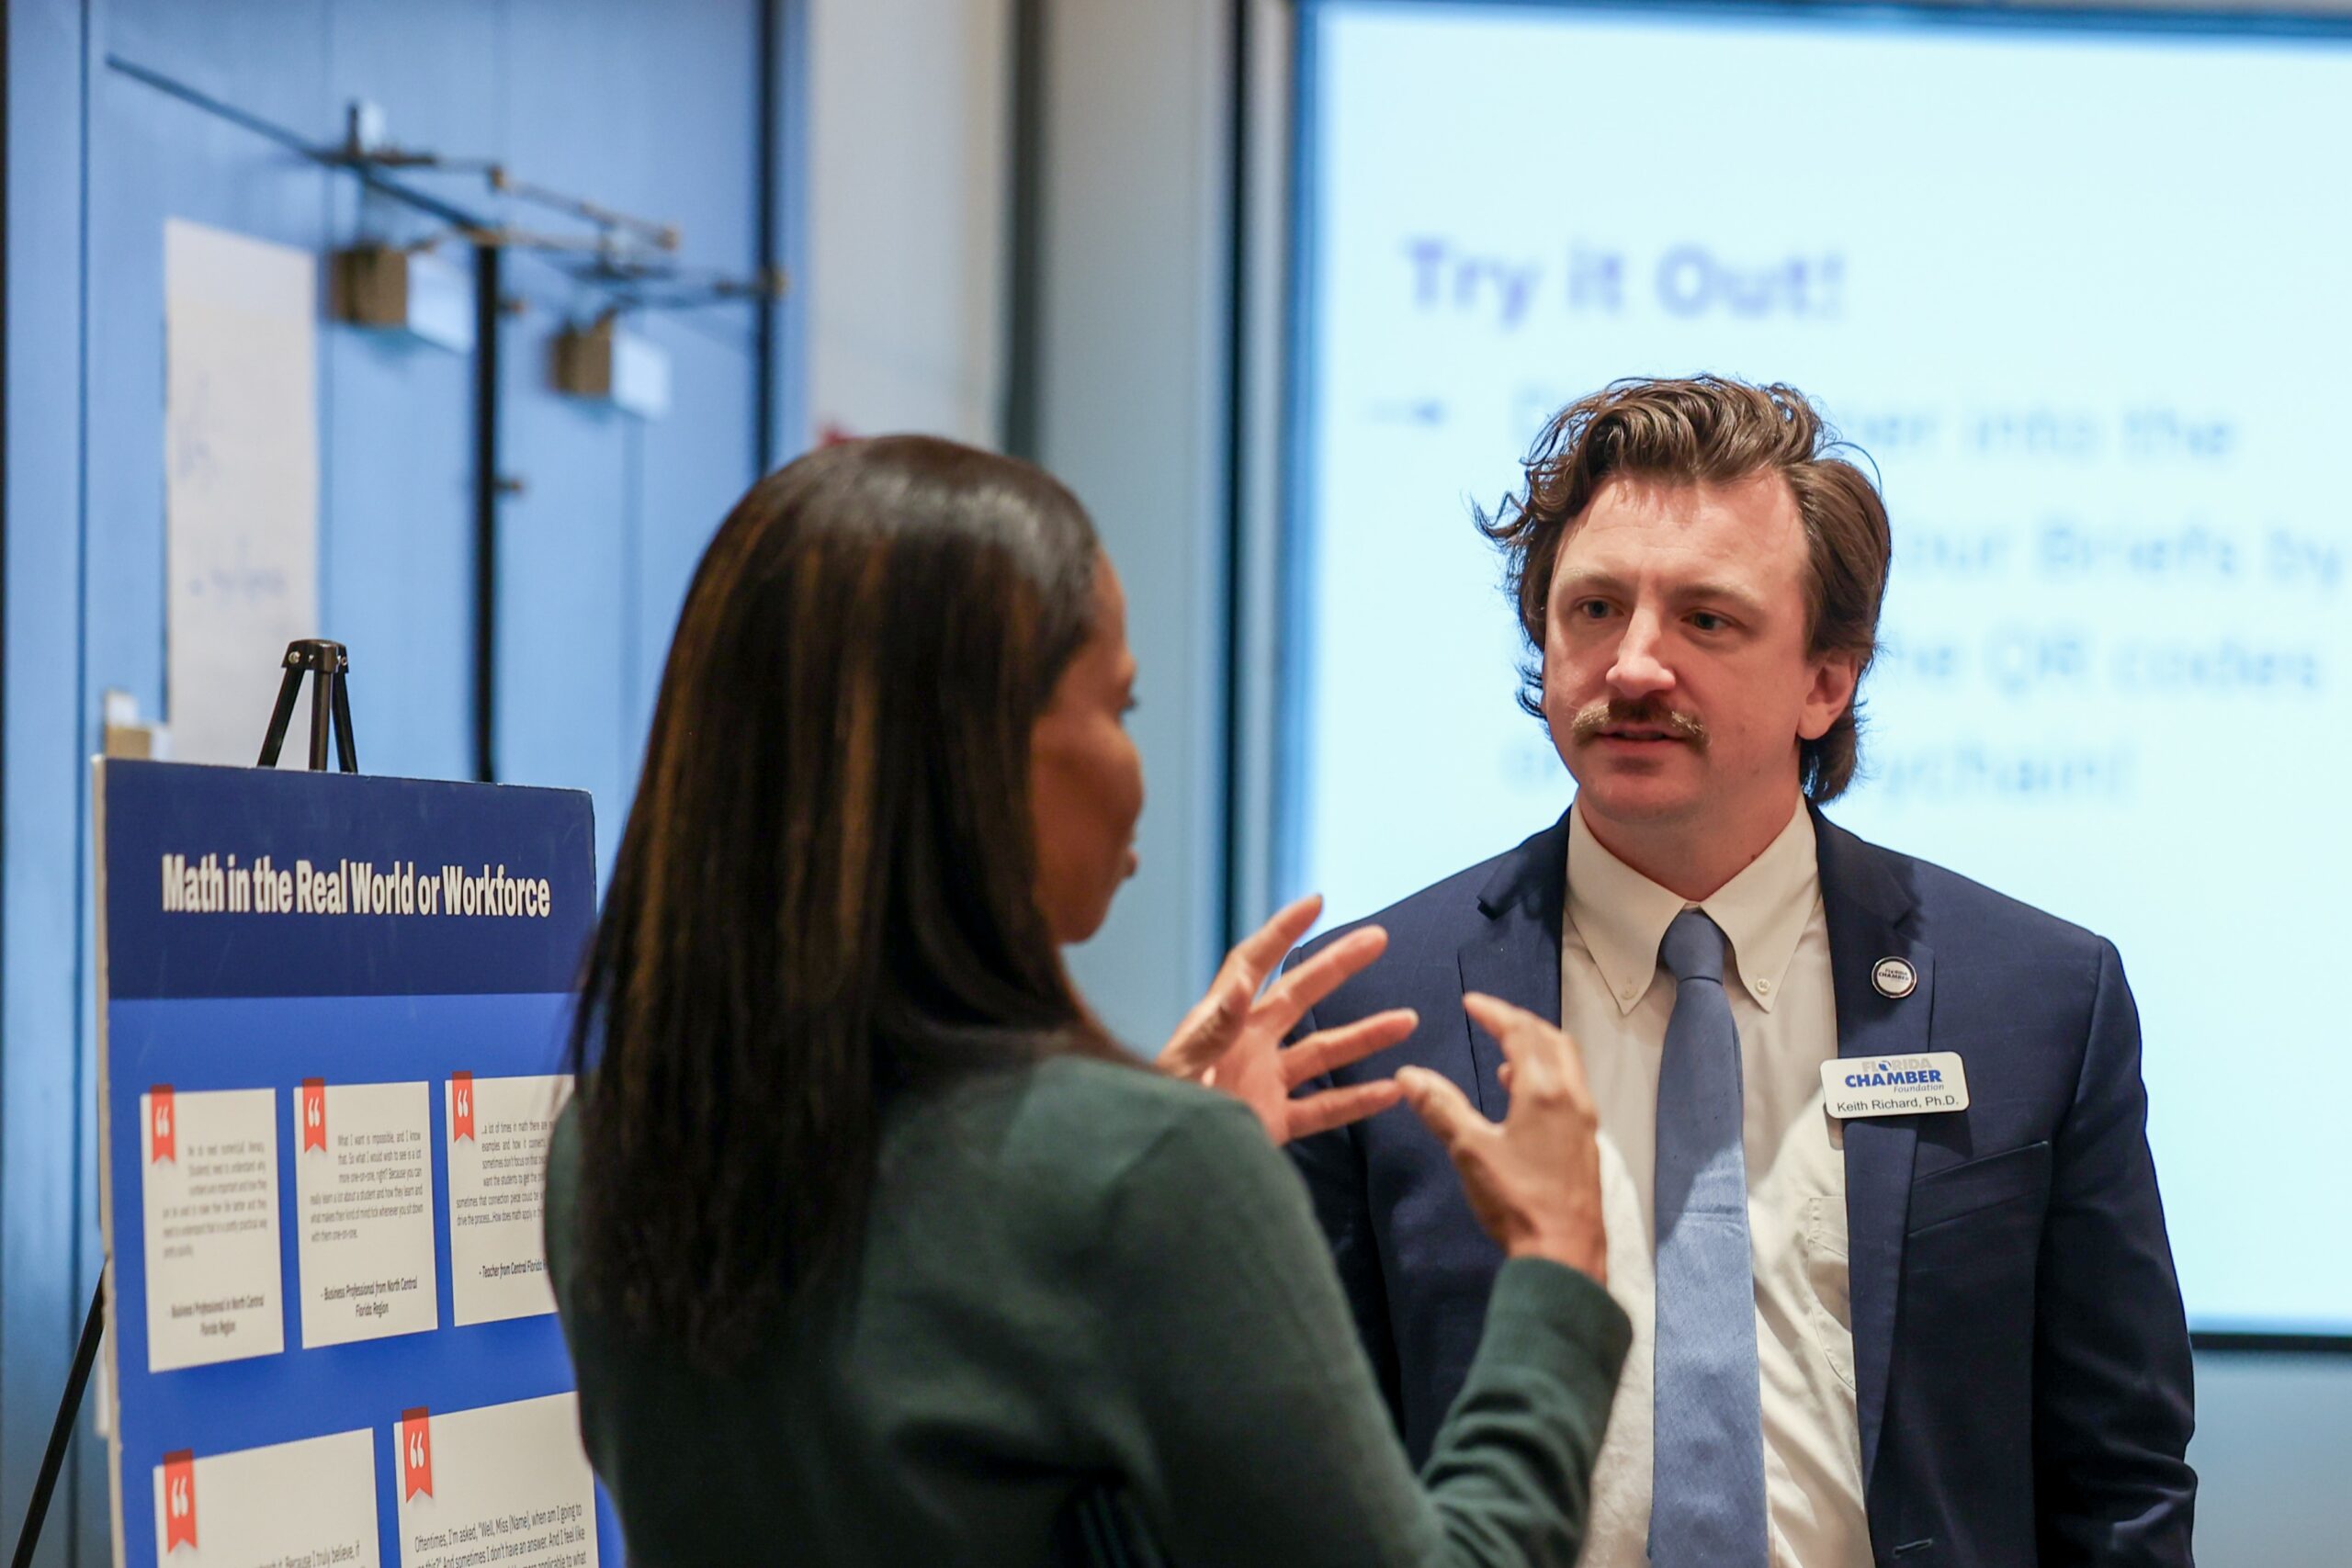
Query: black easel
point(329, 709)
point(330, 693)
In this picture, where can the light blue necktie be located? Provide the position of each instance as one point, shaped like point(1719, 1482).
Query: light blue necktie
point(1707, 1462)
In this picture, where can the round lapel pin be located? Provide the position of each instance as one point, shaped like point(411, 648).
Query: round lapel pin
point(1894, 977)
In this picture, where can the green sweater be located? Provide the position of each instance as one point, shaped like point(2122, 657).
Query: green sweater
point(1082, 1271)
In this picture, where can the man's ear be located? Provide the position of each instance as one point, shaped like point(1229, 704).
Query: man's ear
point(1834, 676)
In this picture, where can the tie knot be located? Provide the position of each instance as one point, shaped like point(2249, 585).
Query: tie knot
point(1693, 948)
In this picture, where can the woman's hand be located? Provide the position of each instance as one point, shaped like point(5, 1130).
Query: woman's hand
point(1232, 1040)
point(1534, 1179)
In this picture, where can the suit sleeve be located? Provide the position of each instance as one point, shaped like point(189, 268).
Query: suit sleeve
point(2113, 1406)
point(1244, 1421)
point(1332, 1166)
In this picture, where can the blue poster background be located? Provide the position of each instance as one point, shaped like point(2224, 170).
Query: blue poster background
point(217, 1000)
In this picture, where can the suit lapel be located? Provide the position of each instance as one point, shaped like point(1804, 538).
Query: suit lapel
point(1517, 956)
point(1868, 913)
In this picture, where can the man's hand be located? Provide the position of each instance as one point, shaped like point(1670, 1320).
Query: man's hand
point(1232, 1040)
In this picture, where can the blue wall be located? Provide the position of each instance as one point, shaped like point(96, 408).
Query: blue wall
point(122, 113)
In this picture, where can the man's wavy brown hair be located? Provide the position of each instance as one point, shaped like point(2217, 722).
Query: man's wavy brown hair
point(1710, 430)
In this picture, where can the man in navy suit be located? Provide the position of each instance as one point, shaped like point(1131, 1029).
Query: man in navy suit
point(1967, 1345)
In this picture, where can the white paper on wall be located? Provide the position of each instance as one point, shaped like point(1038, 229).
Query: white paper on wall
point(240, 481)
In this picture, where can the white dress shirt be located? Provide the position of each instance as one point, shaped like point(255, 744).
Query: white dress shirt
point(1615, 1000)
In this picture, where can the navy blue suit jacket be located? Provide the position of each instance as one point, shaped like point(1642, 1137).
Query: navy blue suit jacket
point(2021, 1362)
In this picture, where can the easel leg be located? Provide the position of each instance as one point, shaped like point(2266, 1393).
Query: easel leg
point(346, 747)
point(320, 710)
point(289, 688)
point(61, 1436)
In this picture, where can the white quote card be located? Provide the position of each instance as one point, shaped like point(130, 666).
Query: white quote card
point(310, 1503)
point(208, 1193)
point(362, 1179)
point(498, 1167)
point(504, 1483)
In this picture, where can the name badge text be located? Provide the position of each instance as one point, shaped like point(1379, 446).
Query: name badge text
point(1855, 1086)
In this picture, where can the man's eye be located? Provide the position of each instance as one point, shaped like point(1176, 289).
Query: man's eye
point(1708, 621)
point(1591, 609)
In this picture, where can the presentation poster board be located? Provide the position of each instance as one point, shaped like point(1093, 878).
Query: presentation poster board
point(331, 1043)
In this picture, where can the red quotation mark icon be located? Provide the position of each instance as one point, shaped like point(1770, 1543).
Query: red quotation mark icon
point(179, 1499)
point(416, 1454)
point(461, 1102)
point(162, 1139)
point(315, 1113)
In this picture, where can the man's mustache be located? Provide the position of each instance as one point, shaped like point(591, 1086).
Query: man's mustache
point(1610, 713)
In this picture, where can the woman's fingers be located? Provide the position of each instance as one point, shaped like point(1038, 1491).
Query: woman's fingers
point(1286, 1001)
point(1445, 1108)
point(1332, 1108)
point(1215, 1021)
point(1327, 1050)
point(1534, 1181)
point(1515, 1029)
point(1263, 948)
point(1541, 1059)
point(1209, 1031)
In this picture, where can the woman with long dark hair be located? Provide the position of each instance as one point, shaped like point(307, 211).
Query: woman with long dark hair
point(871, 1247)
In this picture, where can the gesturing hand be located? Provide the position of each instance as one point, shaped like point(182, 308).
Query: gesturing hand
point(1534, 1179)
point(1232, 1040)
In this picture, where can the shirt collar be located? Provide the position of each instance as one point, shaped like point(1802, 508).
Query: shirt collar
point(1623, 914)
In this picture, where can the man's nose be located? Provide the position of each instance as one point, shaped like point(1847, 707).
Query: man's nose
point(1638, 671)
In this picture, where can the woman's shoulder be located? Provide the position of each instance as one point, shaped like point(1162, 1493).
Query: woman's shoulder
point(1069, 1153)
point(1071, 1096)
point(1132, 1089)
point(1083, 1115)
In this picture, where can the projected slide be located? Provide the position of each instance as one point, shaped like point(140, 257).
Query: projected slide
point(2081, 296)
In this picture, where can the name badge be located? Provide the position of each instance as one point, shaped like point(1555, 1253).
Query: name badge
point(1894, 1086)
